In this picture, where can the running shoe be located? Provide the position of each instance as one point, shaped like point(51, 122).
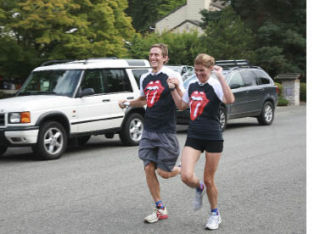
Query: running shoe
point(197, 202)
point(213, 221)
point(156, 215)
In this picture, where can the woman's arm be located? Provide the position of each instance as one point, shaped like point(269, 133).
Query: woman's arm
point(228, 96)
point(177, 94)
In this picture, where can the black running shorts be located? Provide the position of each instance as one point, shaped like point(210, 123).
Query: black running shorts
point(205, 145)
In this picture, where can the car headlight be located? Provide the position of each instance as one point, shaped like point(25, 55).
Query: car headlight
point(19, 117)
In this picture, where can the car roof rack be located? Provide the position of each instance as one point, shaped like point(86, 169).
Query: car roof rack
point(233, 63)
point(58, 61)
point(51, 62)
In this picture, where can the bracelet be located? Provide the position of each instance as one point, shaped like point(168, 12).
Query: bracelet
point(171, 89)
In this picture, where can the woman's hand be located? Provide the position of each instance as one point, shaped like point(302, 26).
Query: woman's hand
point(217, 70)
point(173, 82)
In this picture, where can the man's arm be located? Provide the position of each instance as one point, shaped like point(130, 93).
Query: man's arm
point(138, 102)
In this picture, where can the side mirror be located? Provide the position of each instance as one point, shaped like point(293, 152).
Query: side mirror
point(86, 92)
point(234, 86)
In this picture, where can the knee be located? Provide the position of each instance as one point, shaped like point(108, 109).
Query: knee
point(149, 169)
point(209, 182)
point(186, 178)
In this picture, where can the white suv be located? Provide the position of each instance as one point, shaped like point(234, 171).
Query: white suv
point(76, 99)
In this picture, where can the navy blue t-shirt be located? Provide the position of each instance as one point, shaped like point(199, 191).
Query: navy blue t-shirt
point(160, 112)
point(204, 102)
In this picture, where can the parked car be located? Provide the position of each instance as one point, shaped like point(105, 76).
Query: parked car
point(75, 99)
point(254, 90)
point(184, 70)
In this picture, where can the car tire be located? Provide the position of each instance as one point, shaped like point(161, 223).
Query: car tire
point(223, 117)
point(267, 114)
point(52, 141)
point(3, 149)
point(132, 129)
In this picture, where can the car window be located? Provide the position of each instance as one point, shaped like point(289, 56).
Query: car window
point(137, 74)
point(184, 70)
point(115, 80)
point(249, 77)
point(59, 82)
point(236, 80)
point(262, 77)
point(93, 79)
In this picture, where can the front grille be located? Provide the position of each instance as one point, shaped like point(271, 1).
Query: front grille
point(1, 119)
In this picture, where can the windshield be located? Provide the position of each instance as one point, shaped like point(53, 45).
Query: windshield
point(56, 82)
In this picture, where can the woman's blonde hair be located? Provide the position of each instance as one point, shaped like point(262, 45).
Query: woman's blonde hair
point(204, 60)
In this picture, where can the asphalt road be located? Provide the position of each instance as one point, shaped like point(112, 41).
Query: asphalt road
point(100, 188)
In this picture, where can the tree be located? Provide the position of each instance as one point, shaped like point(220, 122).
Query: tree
point(146, 13)
point(280, 27)
point(227, 37)
point(74, 29)
point(183, 52)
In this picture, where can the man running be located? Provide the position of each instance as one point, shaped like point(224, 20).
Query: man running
point(159, 146)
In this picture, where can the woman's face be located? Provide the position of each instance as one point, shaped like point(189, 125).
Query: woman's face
point(203, 73)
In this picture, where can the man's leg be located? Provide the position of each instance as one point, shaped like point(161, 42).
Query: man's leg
point(154, 187)
point(168, 174)
point(152, 181)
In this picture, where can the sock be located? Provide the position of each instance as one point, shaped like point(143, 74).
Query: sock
point(159, 204)
point(200, 189)
point(215, 210)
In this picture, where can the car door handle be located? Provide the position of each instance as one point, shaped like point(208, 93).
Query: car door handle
point(106, 100)
point(130, 98)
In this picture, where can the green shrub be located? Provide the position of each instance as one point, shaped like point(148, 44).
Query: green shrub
point(282, 101)
point(279, 85)
point(303, 92)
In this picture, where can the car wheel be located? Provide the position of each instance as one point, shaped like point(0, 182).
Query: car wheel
point(132, 129)
point(52, 141)
point(83, 140)
point(223, 118)
point(3, 149)
point(267, 114)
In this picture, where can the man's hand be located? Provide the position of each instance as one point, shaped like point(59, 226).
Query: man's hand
point(173, 82)
point(123, 103)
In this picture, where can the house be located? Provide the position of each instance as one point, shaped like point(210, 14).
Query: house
point(187, 17)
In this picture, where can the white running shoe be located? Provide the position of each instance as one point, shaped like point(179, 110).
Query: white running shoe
point(213, 221)
point(157, 215)
point(197, 202)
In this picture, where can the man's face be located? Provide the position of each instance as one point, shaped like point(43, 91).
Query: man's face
point(156, 59)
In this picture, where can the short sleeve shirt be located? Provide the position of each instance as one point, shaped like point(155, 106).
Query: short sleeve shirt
point(204, 101)
point(160, 112)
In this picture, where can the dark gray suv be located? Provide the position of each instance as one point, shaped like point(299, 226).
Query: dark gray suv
point(254, 90)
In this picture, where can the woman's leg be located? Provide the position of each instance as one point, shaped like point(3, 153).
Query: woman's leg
point(189, 158)
point(211, 166)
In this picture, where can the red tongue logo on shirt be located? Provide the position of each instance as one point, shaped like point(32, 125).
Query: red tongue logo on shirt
point(153, 91)
point(198, 101)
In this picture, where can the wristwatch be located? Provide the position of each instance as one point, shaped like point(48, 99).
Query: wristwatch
point(171, 89)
